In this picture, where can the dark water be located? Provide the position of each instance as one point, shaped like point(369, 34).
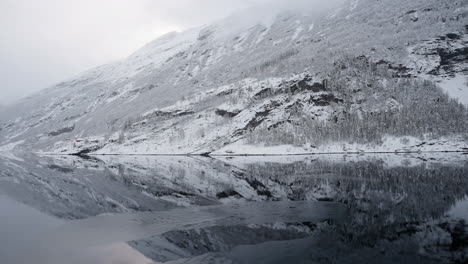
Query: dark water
point(315, 209)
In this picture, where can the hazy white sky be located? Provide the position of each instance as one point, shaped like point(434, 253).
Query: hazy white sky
point(44, 42)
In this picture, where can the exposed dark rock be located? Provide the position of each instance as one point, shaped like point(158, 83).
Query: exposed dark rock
point(225, 113)
point(324, 99)
point(449, 58)
point(72, 118)
point(60, 168)
point(218, 239)
point(61, 131)
point(84, 152)
point(296, 105)
point(227, 194)
point(452, 51)
point(325, 199)
point(8, 125)
point(224, 93)
point(259, 187)
point(458, 55)
point(453, 36)
point(459, 236)
point(400, 70)
point(177, 113)
point(305, 85)
point(263, 93)
point(205, 34)
point(459, 233)
point(255, 184)
point(258, 119)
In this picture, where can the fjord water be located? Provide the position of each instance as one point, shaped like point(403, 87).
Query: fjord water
point(298, 209)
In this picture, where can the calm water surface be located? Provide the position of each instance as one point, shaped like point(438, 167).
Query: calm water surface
point(306, 209)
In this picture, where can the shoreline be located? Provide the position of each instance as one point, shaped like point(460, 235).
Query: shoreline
point(252, 155)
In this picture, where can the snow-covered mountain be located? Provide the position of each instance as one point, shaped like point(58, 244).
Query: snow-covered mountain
point(229, 82)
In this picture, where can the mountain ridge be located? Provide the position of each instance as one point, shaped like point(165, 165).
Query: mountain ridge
point(181, 65)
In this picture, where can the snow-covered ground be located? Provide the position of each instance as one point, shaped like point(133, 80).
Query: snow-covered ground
point(457, 87)
point(11, 146)
point(7, 150)
point(244, 58)
point(225, 120)
point(389, 145)
point(460, 210)
point(239, 148)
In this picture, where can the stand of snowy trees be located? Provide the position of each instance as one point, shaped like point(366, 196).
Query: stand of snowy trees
point(376, 102)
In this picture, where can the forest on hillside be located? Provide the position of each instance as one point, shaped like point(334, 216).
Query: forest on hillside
point(376, 101)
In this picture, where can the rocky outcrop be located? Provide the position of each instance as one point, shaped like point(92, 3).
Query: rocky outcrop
point(445, 55)
point(61, 131)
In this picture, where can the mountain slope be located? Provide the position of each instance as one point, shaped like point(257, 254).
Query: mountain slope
point(411, 38)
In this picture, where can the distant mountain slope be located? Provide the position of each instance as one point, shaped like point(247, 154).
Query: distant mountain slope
point(414, 38)
point(359, 103)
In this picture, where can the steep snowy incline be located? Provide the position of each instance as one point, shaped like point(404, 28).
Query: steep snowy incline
point(359, 107)
point(104, 100)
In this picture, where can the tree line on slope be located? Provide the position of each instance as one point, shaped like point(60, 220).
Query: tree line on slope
point(376, 103)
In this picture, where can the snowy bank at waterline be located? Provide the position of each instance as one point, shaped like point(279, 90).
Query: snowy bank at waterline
point(388, 145)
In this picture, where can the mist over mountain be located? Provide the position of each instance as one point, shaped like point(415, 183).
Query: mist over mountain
point(271, 76)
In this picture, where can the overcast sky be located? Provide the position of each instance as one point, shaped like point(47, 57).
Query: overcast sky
point(44, 42)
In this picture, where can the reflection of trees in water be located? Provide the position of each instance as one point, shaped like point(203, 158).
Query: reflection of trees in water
point(215, 239)
point(390, 205)
point(385, 204)
point(382, 202)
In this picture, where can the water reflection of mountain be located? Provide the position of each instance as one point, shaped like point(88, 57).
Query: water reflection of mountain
point(392, 202)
